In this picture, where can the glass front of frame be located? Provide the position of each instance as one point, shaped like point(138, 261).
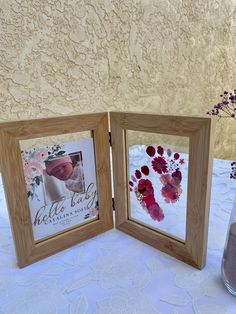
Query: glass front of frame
point(158, 179)
point(61, 183)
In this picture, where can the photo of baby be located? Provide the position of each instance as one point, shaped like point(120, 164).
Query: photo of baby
point(69, 169)
point(64, 176)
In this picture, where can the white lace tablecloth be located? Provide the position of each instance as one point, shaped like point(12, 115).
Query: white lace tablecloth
point(115, 273)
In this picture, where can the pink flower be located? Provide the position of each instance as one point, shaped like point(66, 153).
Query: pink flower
point(176, 156)
point(25, 159)
point(171, 189)
point(159, 165)
point(169, 152)
point(166, 178)
point(41, 154)
point(177, 175)
point(145, 187)
point(171, 194)
point(152, 207)
point(149, 200)
point(138, 174)
point(156, 212)
point(160, 150)
point(33, 169)
point(28, 180)
point(150, 151)
point(145, 170)
point(131, 183)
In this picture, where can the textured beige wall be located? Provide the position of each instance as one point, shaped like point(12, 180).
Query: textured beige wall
point(72, 56)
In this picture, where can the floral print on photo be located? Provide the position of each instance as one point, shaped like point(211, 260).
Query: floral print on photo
point(167, 167)
point(34, 162)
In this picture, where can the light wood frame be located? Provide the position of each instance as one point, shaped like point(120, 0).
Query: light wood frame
point(28, 251)
point(199, 130)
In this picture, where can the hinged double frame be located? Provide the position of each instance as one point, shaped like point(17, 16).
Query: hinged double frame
point(198, 130)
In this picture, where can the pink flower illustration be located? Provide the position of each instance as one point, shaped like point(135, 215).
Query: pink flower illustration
point(33, 169)
point(34, 162)
point(28, 180)
point(25, 159)
point(41, 154)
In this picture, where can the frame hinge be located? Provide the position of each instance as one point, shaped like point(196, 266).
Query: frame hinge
point(110, 138)
point(113, 203)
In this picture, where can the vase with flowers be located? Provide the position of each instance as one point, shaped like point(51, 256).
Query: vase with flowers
point(226, 108)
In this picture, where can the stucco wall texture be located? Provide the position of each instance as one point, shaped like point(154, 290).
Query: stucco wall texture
point(74, 56)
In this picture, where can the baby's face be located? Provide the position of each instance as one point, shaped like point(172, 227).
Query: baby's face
point(63, 172)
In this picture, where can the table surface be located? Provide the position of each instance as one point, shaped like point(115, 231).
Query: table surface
point(115, 273)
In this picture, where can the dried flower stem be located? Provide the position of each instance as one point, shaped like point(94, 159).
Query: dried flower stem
point(227, 106)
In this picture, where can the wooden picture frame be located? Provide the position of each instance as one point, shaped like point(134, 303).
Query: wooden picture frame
point(199, 131)
point(28, 251)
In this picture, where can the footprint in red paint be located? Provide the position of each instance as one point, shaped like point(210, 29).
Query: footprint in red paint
point(144, 191)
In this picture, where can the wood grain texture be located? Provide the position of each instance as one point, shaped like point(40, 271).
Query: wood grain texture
point(16, 196)
point(199, 189)
point(163, 124)
point(52, 126)
point(163, 243)
point(14, 183)
point(119, 171)
point(199, 130)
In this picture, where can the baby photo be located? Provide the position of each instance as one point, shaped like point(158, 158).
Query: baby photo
point(63, 176)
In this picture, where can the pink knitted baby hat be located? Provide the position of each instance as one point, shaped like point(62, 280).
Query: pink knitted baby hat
point(57, 162)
